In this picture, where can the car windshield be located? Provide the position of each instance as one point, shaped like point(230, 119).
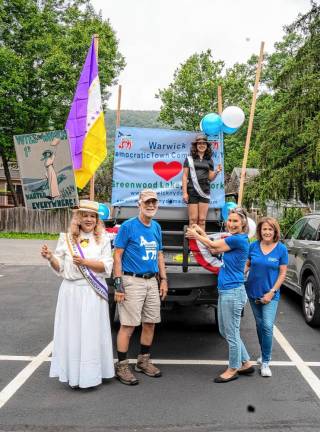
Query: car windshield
point(295, 230)
point(310, 230)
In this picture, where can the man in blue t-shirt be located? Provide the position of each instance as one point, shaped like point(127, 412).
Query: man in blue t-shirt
point(139, 269)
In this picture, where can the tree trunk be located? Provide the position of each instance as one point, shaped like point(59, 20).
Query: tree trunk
point(8, 177)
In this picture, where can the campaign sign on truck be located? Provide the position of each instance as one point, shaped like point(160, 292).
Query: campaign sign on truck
point(153, 159)
point(46, 170)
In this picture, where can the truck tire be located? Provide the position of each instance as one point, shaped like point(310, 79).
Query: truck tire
point(310, 302)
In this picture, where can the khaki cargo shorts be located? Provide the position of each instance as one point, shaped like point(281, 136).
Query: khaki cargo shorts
point(141, 303)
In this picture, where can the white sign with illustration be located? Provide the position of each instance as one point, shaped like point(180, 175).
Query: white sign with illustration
point(46, 170)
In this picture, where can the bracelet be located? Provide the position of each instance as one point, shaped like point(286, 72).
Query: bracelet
point(163, 278)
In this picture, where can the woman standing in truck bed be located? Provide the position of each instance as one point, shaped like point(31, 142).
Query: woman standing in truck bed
point(198, 173)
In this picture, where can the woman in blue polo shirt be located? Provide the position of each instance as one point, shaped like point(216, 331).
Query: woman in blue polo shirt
point(267, 265)
point(232, 294)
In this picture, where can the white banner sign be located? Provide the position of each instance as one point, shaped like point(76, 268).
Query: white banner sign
point(153, 158)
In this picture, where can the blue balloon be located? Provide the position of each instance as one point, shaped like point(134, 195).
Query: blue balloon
point(228, 130)
point(226, 208)
point(104, 211)
point(211, 124)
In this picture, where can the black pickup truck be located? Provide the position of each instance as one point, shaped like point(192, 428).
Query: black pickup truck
point(189, 283)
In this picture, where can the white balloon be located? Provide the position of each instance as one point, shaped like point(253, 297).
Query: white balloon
point(232, 116)
point(252, 228)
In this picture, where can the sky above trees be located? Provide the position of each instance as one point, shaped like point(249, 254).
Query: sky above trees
point(155, 36)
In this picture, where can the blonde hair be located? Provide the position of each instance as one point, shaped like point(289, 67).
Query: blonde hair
point(243, 216)
point(274, 225)
point(74, 228)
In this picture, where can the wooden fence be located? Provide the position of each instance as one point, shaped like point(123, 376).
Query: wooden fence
point(20, 219)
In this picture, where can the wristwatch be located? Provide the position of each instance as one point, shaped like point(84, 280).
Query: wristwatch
point(273, 291)
point(117, 281)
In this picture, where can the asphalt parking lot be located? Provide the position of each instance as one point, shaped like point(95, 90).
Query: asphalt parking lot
point(188, 349)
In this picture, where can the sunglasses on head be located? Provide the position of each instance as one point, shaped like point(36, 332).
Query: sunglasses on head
point(239, 211)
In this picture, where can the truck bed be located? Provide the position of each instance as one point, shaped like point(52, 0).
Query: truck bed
point(189, 283)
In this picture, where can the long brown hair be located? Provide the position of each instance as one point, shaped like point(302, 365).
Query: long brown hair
point(74, 228)
point(194, 149)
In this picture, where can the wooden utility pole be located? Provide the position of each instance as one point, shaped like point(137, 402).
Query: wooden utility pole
point(247, 145)
point(118, 107)
point(220, 109)
point(220, 99)
point(96, 48)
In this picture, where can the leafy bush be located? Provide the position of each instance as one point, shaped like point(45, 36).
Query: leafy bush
point(28, 236)
point(291, 216)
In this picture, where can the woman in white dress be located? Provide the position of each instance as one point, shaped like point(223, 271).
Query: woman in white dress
point(82, 345)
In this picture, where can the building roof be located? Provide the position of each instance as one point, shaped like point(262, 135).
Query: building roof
point(14, 171)
point(250, 172)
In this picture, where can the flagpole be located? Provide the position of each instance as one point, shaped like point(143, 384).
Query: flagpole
point(253, 106)
point(118, 107)
point(96, 48)
point(220, 111)
point(219, 99)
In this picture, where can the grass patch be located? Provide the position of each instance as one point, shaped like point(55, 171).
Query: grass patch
point(27, 236)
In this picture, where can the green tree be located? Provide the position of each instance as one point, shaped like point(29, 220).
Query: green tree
point(289, 133)
point(103, 179)
point(193, 93)
point(43, 44)
point(285, 142)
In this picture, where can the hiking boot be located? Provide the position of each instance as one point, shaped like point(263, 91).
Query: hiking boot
point(124, 374)
point(145, 365)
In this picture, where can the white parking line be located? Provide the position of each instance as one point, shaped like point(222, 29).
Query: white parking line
point(171, 361)
point(303, 368)
point(17, 358)
point(22, 377)
point(44, 356)
point(207, 362)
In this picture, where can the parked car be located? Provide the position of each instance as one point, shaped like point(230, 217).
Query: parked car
point(303, 275)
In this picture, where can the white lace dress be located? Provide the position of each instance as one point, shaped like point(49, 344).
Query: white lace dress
point(82, 345)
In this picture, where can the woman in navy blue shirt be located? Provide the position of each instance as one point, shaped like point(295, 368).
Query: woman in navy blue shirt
point(232, 294)
point(267, 265)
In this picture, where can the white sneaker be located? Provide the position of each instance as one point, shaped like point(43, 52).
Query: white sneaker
point(265, 370)
point(259, 361)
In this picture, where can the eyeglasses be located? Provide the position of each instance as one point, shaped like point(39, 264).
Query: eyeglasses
point(153, 202)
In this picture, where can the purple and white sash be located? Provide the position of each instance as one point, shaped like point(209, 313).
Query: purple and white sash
point(98, 286)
